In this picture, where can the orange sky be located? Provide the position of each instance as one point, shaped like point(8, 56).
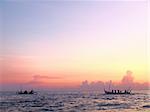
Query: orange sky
point(66, 44)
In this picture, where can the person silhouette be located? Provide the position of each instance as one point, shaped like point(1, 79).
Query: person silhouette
point(25, 92)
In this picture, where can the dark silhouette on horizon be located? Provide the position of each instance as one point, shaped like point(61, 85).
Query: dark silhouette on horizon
point(116, 91)
point(26, 92)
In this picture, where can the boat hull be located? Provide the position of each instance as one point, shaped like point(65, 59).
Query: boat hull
point(113, 93)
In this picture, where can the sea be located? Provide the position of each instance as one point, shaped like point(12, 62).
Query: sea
point(74, 101)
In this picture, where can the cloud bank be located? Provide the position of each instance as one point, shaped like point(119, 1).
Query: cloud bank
point(127, 82)
point(45, 82)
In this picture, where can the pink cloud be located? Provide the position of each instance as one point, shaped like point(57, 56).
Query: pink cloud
point(37, 79)
point(127, 82)
point(128, 78)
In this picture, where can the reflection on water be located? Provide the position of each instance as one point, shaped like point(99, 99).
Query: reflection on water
point(74, 102)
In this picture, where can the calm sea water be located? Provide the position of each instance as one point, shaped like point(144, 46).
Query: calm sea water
point(74, 102)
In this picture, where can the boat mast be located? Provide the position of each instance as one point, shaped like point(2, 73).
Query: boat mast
point(109, 85)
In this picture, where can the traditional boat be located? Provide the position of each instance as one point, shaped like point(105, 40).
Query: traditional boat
point(117, 92)
point(26, 92)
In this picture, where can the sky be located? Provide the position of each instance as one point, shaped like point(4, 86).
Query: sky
point(63, 43)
